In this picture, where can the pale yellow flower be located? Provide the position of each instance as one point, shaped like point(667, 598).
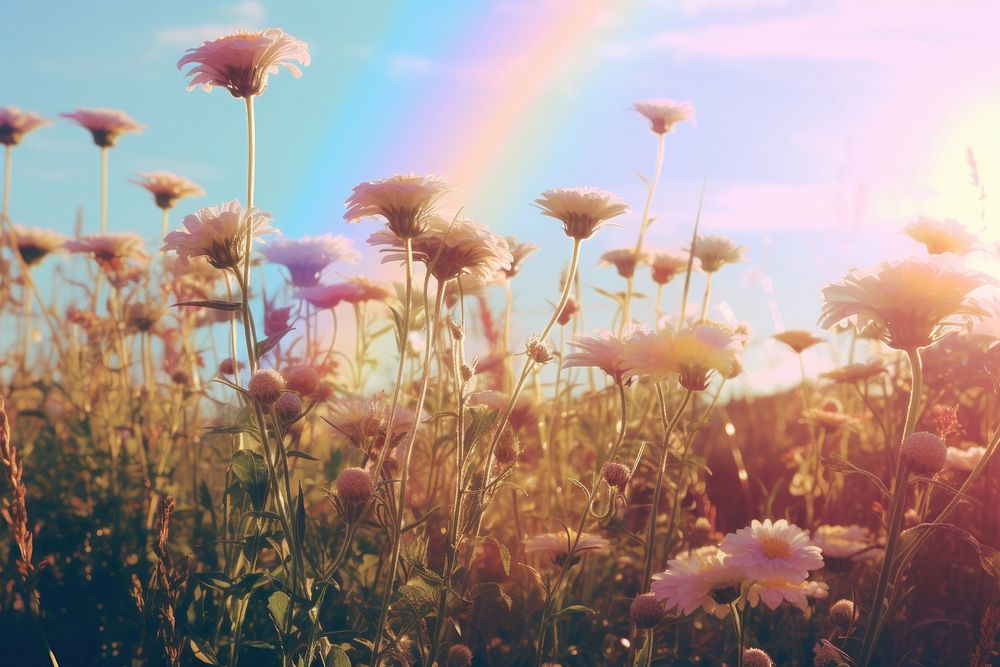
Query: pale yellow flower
point(714, 252)
point(912, 302)
point(694, 353)
point(581, 210)
point(797, 339)
point(662, 114)
point(940, 236)
point(406, 201)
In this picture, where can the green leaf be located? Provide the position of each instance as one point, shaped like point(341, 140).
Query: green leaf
point(338, 658)
point(399, 330)
point(262, 347)
point(300, 516)
point(482, 421)
point(215, 580)
point(838, 464)
point(493, 587)
point(251, 471)
point(573, 609)
point(277, 606)
point(296, 454)
point(203, 650)
point(504, 553)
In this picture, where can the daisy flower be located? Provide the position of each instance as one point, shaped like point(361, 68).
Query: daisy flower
point(844, 543)
point(451, 249)
point(110, 251)
point(241, 62)
point(714, 252)
point(662, 114)
point(940, 236)
point(557, 545)
point(307, 257)
point(582, 211)
point(15, 123)
point(366, 290)
point(168, 188)
point(34, 244)
point(797, 339)
point(854, 373)
point(218, 233)
point(105, 125)
point(912, 302)
point(666, 264)
point(364, 420)
point(695, 353)
point(774, 592)
point(769, 550)
point(601, 349)
point(519, 251)
point(702, 578)
point(406, 201)
point(625, 260)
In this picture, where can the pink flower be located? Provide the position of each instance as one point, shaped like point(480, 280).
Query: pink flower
point(581, 210)
point(167, 188)
point(368, 291)
point(603, 350)
point(702, 578)
point(695, 353)
point(451, 249)
point(110, 251)
point(774, 592)
point(625, 260)
point(662, 114)
point(772, 551)
point(14, 124)
point(307, 257)
point(35, 244)
point(404, 200)
point(668, 263)
point(242, 62)
point(557, 545)
point(105, 125)
point(218, 233)
point(329, 296)
point(519, 251)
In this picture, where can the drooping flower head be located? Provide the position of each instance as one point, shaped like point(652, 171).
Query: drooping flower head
point(694, 353)
point(168, 188)
point(451, 249)
point(797, 339)
point(662, 114)
point(242, 62)
point(110, 251)
point(15, 123)
point(853, 373)
point(701, 578)
point(406, 201)
point(34, 244)
point(557, 545)
point(603, 350)
point(912, 302)
point(668, 263)
point(519, 251)
point(714, 252)
point(842, 544)
point(772, 550)
point(940, 236)
point(306, 258)
point(328, 296)
point(218, 233)
point(625, 260)
point(582, 211)
point(105, 125)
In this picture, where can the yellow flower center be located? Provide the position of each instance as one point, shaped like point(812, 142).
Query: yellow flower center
point(774, 547)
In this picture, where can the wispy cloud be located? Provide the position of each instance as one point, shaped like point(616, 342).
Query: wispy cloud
point(245, 15)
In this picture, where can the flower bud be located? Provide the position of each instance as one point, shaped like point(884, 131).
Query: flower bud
point(646, 611)
point(459, 655)
point(354, 486)
point(616, 475)
point(302, 379)
point(538, 351)
point(288, 406)
point(843, 614)
point(754, 657)
point(265, 386)
point(924, 453)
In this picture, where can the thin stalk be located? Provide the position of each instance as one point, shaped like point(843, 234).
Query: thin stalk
point(657, 490)
point(165, 221)
point(431, 331)
point(707, 297)
point(740, 632)
point(898, 508)
point(104, 189)
point(8, 151)
point(644, 222)
point(690, 266)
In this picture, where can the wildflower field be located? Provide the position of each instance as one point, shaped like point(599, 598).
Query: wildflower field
point(225, 443)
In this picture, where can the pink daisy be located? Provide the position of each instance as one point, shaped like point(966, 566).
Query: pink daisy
point(306, 258)
point(603, 350)
point(329, 296)
point(662, 114)
point(581, 210)
point(404, 200)
point(218, 233)
point(15, 123)
point(167, 188)
point(105, 125)
point(242, 62)
point(772, 550)
point(110, 251)
point(702, 578)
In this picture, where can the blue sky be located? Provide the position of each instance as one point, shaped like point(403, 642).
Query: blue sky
point(823, 127)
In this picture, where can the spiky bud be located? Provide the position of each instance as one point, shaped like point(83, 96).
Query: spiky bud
point(354, 486)
point(265, 386)
point(843, 614)
point(302, 379)
point(288, 406)
point(924, 453)
point(646, 611)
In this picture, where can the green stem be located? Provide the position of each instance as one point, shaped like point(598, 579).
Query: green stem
point(657, 490)
point(740, 632)
point(898, 509)
point(104, 189)
point(431, 329)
